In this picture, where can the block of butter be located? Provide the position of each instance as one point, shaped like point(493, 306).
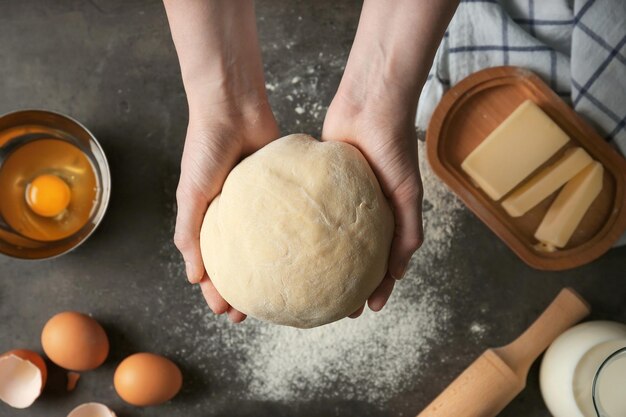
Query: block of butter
point(525, 140)
point(546, 182)
point(569, 207)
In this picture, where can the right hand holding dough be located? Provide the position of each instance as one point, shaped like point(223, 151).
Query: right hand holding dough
point(213, 147)
point(229, 116)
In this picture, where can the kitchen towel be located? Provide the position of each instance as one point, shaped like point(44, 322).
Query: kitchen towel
point(578, 47)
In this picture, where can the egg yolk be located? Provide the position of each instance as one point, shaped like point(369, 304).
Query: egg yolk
point(48, 195)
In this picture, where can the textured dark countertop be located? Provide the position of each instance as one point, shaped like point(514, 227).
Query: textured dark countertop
point(111, 64)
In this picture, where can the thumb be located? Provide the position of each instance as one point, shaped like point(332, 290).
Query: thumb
point(191, 208)
point(408, 235)
point(205, 165)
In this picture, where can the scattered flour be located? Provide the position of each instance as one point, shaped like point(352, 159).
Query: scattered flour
point(372, 358)
point(478, 329)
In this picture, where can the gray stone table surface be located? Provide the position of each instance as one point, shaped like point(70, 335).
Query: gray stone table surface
point(111, 64)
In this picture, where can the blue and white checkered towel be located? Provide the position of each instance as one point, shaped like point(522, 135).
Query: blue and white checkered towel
point(578, 47)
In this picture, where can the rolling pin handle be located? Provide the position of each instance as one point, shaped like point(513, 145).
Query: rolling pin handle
point(567, 309)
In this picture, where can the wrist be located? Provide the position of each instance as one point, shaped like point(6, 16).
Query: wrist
point(224, 97)
point(233, 108)
point(374, 91)
point(372, 95)
point(381, 79)
point(393, 51)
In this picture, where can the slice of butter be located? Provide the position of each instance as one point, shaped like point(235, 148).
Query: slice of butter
point(525, 140)
point(569, 207)
point(546, 182)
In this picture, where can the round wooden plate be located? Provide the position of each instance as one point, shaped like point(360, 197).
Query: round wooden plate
point(471, 110)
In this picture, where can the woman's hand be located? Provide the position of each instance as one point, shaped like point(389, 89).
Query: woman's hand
point(374, 109)
point(386, 137)
point(214, 145)
point(229, 115)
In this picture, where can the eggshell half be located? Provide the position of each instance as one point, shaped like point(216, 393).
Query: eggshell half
point(91, 410)
point(23, 375)
point(145, 379)
point(75, 341)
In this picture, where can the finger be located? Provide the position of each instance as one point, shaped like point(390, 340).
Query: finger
point(358, 312)
point(408, 234)
point(379, 297)
point(216, 302)
point(235, 315)
point(206, 161)
point(191, 208)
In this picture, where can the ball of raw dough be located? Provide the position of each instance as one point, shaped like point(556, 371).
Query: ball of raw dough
point(300, 234)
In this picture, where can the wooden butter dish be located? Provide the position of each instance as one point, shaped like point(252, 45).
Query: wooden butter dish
point(471, 110)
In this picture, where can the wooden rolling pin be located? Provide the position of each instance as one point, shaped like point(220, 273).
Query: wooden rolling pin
point(498, 375)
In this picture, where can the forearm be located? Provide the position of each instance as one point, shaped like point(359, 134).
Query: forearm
point(218, 50)
point(393, 50)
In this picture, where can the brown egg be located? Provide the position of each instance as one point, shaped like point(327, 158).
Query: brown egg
point(75, 341)
point(146, 379)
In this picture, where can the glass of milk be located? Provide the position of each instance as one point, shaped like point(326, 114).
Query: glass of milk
point(609, 386)
point(583, 372)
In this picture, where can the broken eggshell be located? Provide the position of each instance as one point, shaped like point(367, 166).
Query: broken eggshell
point(23, 375)
point(91, 410)
point(72, 380)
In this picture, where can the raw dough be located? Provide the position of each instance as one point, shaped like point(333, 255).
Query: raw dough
point(300, 234)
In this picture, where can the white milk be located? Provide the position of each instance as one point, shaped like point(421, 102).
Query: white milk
point(609, 382)
point(570, 364)
point(612, 387)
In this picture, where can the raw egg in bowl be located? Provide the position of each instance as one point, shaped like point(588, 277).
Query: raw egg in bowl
point(55, 184)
